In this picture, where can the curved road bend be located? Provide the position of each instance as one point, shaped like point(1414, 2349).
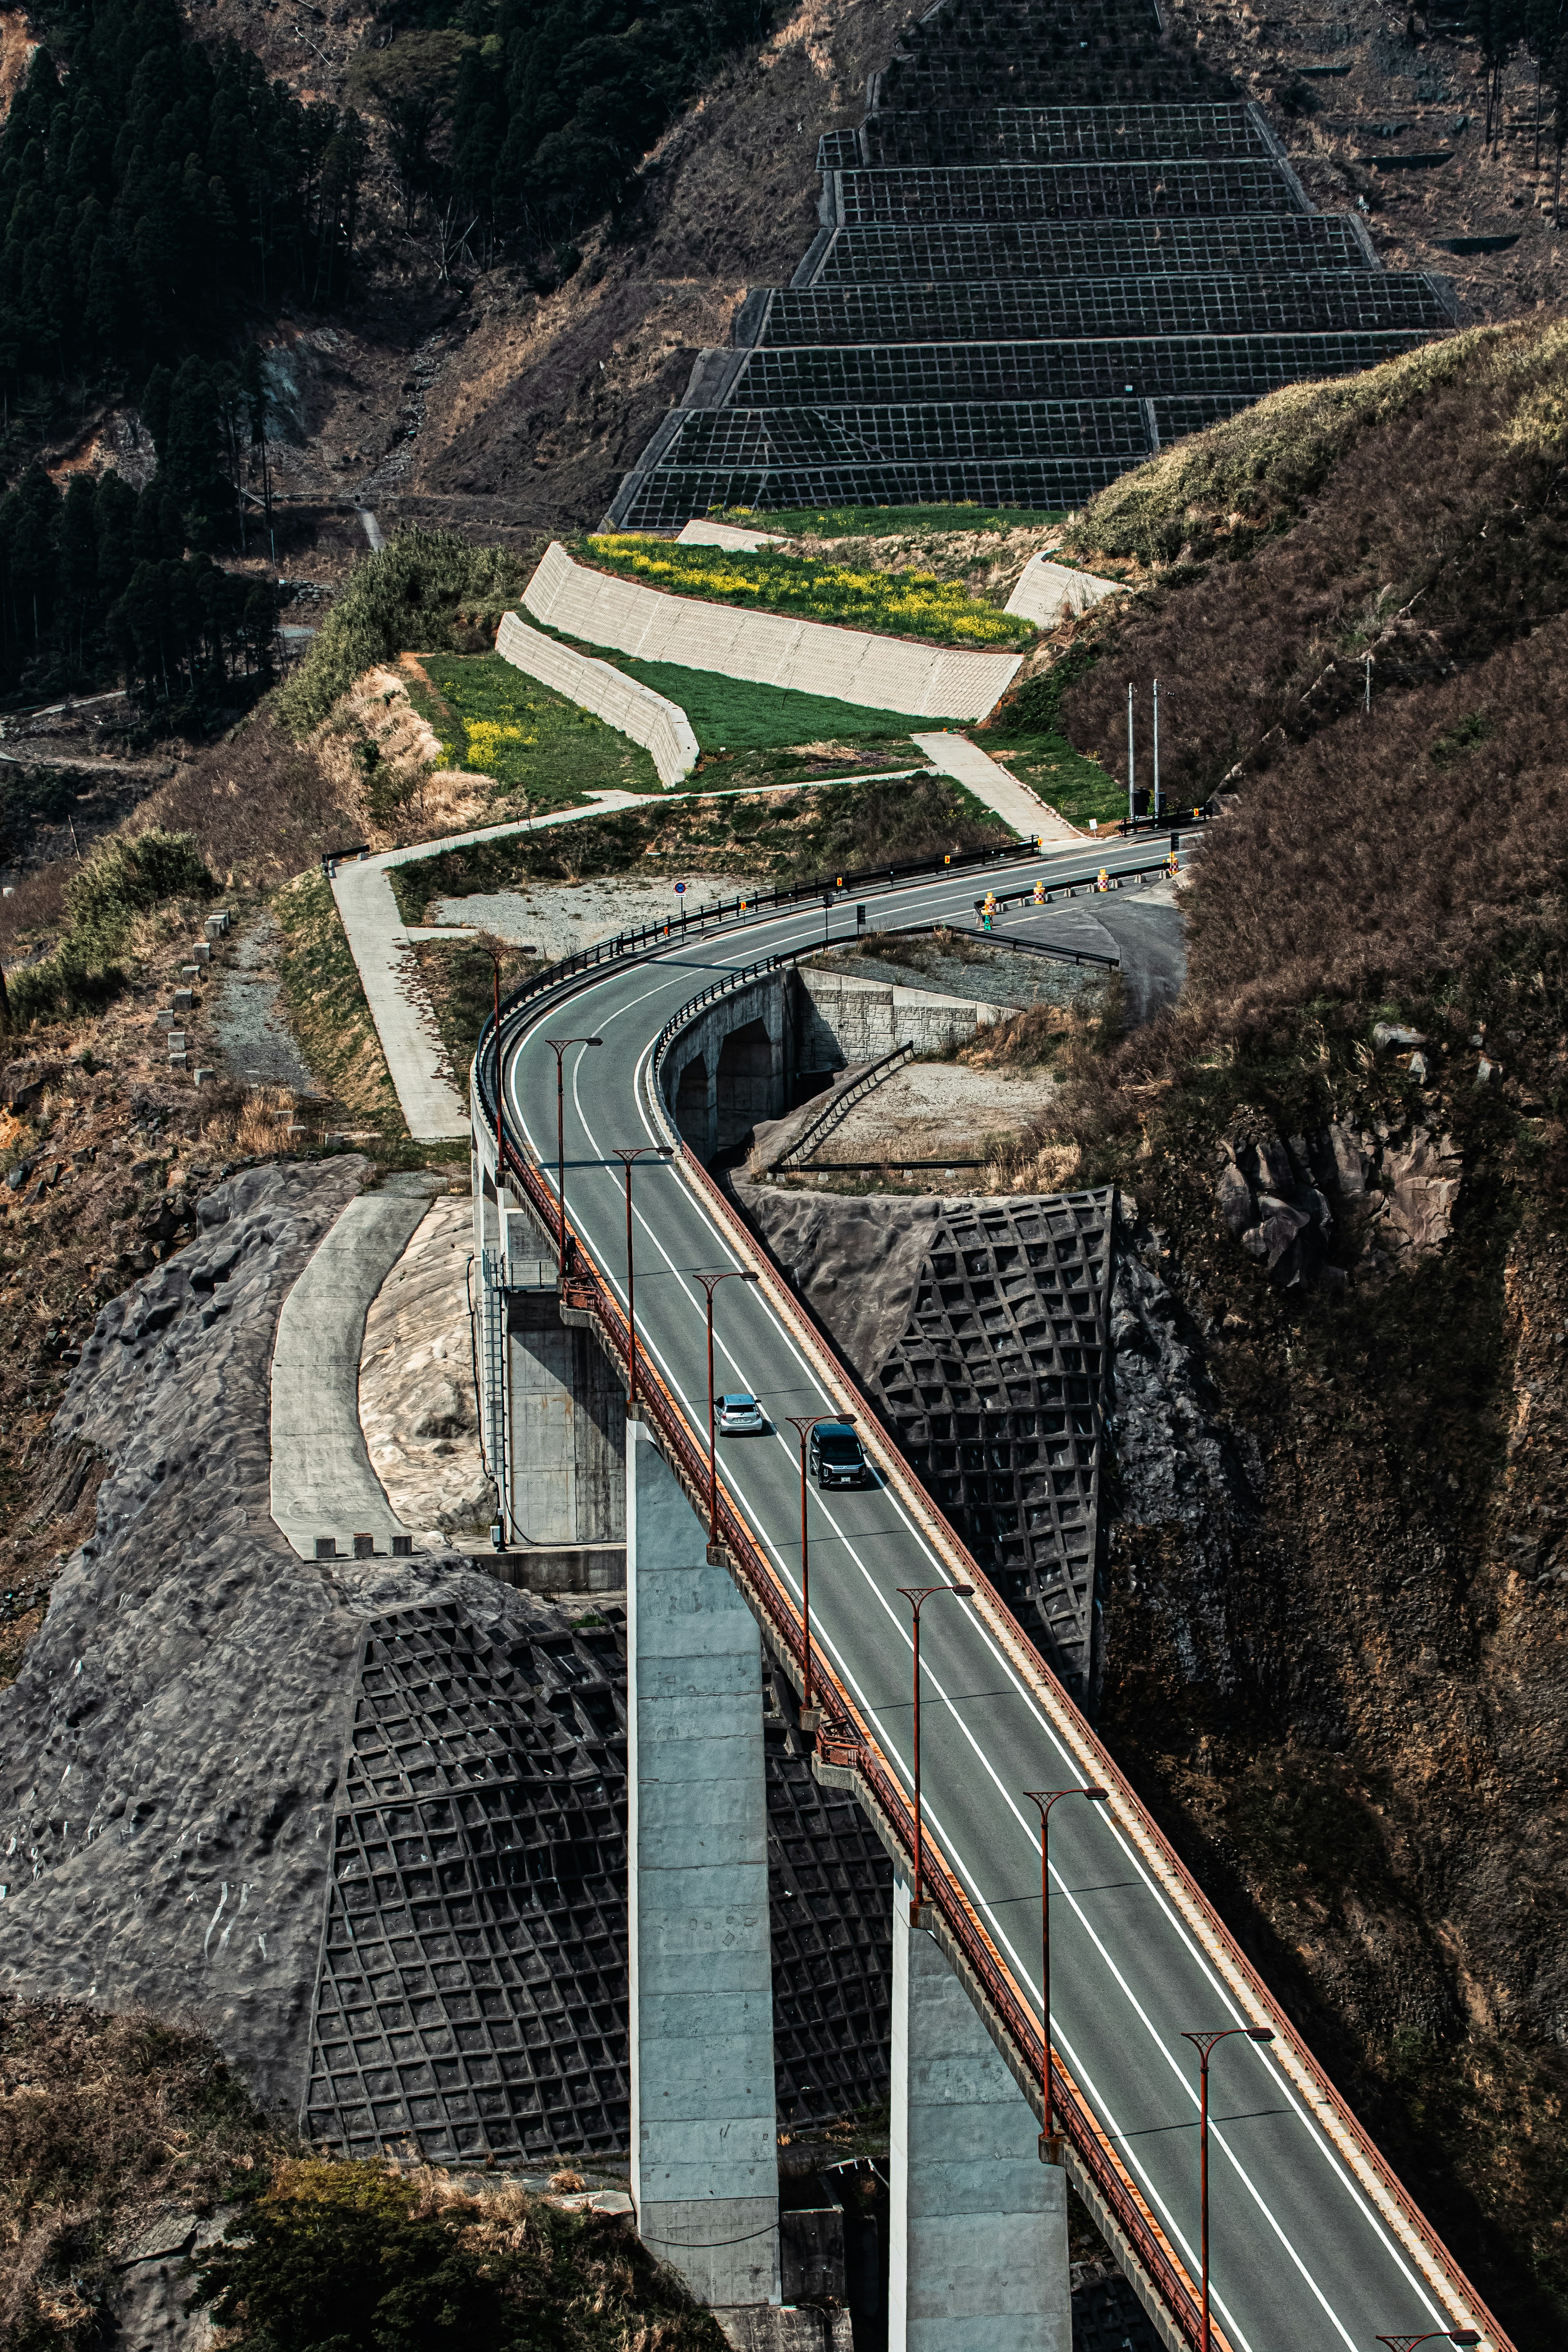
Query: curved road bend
point(1309, 2252)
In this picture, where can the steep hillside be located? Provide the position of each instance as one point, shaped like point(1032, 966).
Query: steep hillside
point(1340, 1674)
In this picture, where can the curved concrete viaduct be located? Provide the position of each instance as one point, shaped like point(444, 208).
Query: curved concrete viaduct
point(1316, 2246)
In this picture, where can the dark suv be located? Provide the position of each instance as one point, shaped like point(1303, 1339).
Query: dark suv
point(836, 1458)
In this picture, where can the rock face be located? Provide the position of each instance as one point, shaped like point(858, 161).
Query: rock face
point(171, 1746)
point(417, 1383)
point(1339, 1203)
point(227, 1771)
point(978, 1328)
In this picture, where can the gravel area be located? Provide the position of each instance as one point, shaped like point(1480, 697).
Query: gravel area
point(992, 976)
point(247, 1021)
point(930, 1108)
point(557, 918)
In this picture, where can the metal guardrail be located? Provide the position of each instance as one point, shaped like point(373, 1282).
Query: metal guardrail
point(844, 1102)
point(847, 1742)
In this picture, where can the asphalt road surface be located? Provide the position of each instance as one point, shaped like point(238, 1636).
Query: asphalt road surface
point(1303, 2258)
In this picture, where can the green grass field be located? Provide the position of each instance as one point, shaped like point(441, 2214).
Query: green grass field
point(1076, 787)
point(913, 604)
point(540, 747)
point(733, 714)
point(879, 522)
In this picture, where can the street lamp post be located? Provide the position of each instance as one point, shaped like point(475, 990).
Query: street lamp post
point(558, 1046)
point(501, 1140)
point(810, 1713)
point(916, 1595)
point(1203, 2044)
point(710, 1283)
point(1050, 2138)
point(1433, 2335)
point(625, 1157)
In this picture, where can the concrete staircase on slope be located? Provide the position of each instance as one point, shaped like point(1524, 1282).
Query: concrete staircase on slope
point(1057, 243)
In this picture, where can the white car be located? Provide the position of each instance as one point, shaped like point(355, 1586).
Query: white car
point(739, 1415)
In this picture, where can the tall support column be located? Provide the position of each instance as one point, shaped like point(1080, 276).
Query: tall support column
point(704, 2131)
point(979, 2232)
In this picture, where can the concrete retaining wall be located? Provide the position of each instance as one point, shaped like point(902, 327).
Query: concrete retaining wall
point(844, 1020)
point(769, 648)
point(661, 727)
point(1048, 592)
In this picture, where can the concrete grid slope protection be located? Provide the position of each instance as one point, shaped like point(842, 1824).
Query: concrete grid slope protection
point(1057, 243)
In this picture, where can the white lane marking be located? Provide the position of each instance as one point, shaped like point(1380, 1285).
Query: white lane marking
point(1341, 2173)
point(905, 1772)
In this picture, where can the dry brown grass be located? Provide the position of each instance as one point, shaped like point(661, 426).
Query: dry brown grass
point(103, 2121)
point(1431, 535)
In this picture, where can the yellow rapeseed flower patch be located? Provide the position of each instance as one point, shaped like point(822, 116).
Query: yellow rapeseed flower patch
point(486, 736)
point(899, 603)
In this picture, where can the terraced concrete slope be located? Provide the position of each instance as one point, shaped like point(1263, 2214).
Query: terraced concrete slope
point(1055, 243)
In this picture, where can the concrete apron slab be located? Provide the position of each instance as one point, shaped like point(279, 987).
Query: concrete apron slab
point(380, 943)
point(978, 2224)
point(956, 756)
point(322, 1484)
point(704, 2120)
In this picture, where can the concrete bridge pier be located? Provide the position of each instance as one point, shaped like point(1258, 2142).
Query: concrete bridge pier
point(704, 2128)
point(978, 2226)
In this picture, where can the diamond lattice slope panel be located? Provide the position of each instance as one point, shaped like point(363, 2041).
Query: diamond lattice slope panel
point(662, 499)
point(471, 1996)
point(1058, 134)
point(913, 253)
point(797, 437)
point(472, 1989)
point(994, 1391)
point(873, 375)
point(1005, 310)
point(1017, 192)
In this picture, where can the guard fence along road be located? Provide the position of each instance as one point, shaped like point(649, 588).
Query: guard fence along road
point(1315, 2246)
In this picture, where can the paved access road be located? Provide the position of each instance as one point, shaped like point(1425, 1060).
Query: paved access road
point(1307, 2257)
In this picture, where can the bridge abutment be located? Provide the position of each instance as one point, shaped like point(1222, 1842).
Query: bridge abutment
point(704, 2128)
point(979, 2231)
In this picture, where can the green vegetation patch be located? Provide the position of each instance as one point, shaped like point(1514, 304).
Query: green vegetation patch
point(356, 2257)
point(1077, 788)
point(326, 1006)
point(779, 837)
point(736, 715)
point(422, 587)
point(538, 745)
point(915, 605)
point(869, 522)
point(121, 881)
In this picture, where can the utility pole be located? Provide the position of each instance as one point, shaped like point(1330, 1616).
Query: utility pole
point(1130, 755)
point(1154, 801)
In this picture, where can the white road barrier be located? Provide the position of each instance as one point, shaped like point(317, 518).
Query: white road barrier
point(662, 728)
point(769, 648)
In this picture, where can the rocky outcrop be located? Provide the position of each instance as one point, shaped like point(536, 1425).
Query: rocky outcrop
point(171, 1746)
point(417, 1399)
point(1341, 1204)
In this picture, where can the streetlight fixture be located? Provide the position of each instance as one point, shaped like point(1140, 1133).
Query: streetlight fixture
point(810, 1713)
point(558, 1046)
point(916, 1595)
point(1203, 2044)
point(1433, 2335)
point(710, 1283)
point(1050, 2138)
point(625, 1157)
